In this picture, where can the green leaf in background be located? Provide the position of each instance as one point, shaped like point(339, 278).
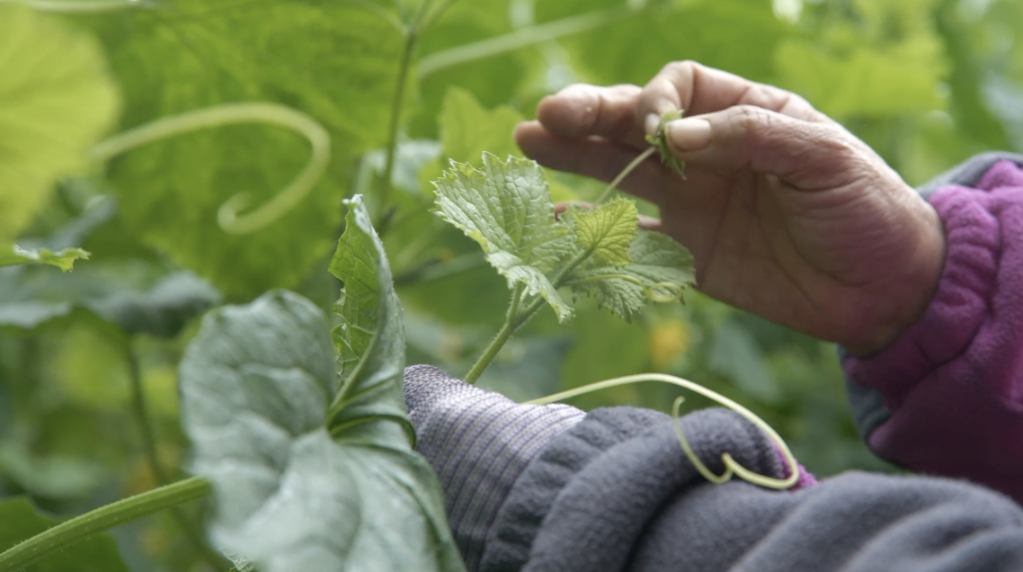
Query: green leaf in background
point(371, 336)
point(658, 263)
point(335, 62)
point(736, 355)
point(63, 259)
point(56, 99)
point(890, 62)
point(493, 80)
point(467, 129)
point(19, 520)
point(30, 299)
point(608, 230)
point(734, 35)
point(256, 383)
point(506, 208)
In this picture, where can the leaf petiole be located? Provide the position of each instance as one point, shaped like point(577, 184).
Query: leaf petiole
point(625, 173)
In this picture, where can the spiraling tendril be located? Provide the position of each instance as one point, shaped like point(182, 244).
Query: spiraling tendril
point(732, 467)
point(228, 216)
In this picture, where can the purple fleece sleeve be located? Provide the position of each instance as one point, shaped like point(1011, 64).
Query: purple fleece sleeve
point(952, 383)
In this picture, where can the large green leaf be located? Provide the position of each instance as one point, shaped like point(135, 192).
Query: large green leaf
point(20, 521)
point(56, 99)
point(506, 207)
point(334, 61)
point(257, 384)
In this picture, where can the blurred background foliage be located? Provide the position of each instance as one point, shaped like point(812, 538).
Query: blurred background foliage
point(927, 83)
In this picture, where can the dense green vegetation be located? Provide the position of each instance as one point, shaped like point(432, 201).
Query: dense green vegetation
point(189, 157)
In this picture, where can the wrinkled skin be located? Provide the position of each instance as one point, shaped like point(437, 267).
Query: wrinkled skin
point(788, 215)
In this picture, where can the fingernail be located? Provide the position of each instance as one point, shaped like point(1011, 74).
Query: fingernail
point(651, 124)
point(689, 134)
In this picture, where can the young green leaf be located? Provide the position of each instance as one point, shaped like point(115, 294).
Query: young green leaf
point(660, 269)
point(608, 230)
point(506, 207)
point(256, 384)
point(19, 521)
point(371, 336)
point(56, 99)
point(658, 140)
point(63, 259)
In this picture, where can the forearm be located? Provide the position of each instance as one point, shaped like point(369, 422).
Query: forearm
point(947, 396)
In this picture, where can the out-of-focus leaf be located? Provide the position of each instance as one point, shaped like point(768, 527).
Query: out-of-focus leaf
point(467, 130)
point(889, 61)
point(736, 355)
point(734, 35)
point(170, 191)
point(19, 521)
point(493, 80)
point(52, 476)
point(256, 383)
point(29, 300)
point(56, 99)
point(63, 259)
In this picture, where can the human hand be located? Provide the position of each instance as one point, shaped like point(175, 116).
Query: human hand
point(788, 215)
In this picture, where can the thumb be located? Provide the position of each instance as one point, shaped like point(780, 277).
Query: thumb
point(807, 155)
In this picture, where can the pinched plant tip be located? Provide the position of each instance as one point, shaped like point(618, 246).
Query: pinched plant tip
point(506, 207)
point(659, 140)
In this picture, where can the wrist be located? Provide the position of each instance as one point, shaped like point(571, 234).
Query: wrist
point(904, 298)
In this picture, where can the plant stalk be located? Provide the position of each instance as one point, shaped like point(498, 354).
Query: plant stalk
point(522, 38)
point(384, 198)
point(516, 319)
point(145, 424)
point(104, 518)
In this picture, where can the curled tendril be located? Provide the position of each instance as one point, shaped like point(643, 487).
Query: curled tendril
point(660, 292)
point(229, 114)
point(732, 467)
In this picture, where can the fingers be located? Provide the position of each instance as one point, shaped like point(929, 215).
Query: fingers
point(697, 89)
point(582, 110)
point(805, 154)
point(599, 159)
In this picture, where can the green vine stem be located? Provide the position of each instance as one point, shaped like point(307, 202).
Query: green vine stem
point(230, 114)
point(106, 517)
point(384, 198)
point(522, 38)
point(145, 425)
point(515, 318)
point(732, 467)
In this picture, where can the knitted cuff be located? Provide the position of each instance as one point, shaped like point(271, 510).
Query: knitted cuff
point(478, 442)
